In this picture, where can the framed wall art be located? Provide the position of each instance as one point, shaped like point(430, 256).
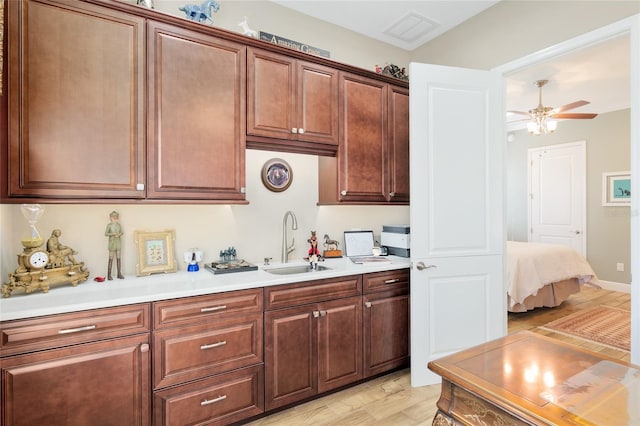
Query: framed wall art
point(616, 189)
point(277, 175)
point(155, 252)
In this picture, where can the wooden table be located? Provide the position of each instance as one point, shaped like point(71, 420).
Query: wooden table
point(526, 378)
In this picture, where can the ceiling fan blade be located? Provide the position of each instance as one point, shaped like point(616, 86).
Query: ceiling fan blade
point(574, 115)
point(518, 112)
point(572, 105)
point(518, 120)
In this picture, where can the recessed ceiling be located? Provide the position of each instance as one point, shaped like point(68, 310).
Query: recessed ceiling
point(404, 24)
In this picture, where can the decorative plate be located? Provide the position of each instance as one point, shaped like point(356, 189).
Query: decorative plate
point(276, 175)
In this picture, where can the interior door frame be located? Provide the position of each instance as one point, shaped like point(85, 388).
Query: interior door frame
point(628, 26)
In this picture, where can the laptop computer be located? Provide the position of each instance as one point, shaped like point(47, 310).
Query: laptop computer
point(358, 247)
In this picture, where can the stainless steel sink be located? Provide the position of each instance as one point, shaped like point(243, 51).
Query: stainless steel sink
point(295, 269)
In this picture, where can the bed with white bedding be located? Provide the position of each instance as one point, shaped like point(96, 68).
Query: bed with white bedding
point(541, 274)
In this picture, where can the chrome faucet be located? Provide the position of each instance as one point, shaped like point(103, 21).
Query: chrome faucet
point(286, 249)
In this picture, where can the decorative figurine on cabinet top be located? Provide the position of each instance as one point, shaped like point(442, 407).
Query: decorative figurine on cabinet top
point(201, 13)
point(114, 232)
point(40, 265)
point(246, 30)
point(314, 253)
point(331, 247)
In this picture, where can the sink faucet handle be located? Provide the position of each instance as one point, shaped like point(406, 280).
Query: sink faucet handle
point(266, 260)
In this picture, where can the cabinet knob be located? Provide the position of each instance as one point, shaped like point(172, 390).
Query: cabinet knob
point(294, 130)
point(140, 187)
point(316, 314)
point(301, 131)
point(368, 304)
point(392, 194)
point(343, 192)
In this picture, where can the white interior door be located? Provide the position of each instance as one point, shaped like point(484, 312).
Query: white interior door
point(557, 195)
point(458, 296)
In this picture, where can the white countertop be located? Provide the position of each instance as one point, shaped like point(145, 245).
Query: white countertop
point(91, 294)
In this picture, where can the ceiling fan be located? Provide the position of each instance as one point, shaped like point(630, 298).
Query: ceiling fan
point(541, 116)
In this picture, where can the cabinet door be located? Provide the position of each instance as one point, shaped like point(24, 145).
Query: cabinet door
point(76, 96)
point(386, 331)
point(339, 343)
point(291, 105)
point(317, 94)
point(291, 372)
point(196, 115)
point(398, 144)
point(104, 383)
point(271, 100)
point(362, 154)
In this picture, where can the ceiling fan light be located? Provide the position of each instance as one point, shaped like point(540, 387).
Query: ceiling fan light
point(533, 128)
point(552, 125)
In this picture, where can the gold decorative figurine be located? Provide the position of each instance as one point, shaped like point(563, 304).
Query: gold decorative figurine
point(40, 266)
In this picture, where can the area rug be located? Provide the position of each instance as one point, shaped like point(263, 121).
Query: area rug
point(602, 324)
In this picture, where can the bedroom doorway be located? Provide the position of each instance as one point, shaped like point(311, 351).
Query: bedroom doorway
point(629, 26)
point(557, 195)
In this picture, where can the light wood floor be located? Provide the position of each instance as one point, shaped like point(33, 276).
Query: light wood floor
point(390, 400)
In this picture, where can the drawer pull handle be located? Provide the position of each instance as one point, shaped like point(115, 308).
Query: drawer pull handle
point(213, 345)
point(214, 400)
point(395, 280)
point(213, 308)
point(77, 329)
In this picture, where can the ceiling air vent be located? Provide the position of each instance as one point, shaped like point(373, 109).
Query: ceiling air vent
point(410, 27)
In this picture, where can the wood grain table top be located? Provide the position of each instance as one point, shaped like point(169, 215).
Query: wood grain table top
point(545, 381)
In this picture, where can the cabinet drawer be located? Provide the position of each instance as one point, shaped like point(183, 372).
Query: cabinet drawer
point(287, 295)
point(190, 353)
point(223, 399)
point(388, 280)
point(52, 331)
point(193, 310)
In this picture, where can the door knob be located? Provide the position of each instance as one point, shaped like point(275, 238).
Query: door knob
point(577, 231)
point(421, 266)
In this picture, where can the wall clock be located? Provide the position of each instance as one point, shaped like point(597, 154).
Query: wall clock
point(277, 175)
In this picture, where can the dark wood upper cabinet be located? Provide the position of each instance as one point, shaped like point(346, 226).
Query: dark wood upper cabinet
point(372, 163)
point(196, 125)
point(291, 104)
point(110, 101)
point(398, 144)
point(76, 101)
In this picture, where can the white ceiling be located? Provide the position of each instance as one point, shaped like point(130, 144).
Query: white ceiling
point(598, 74)
point(404, 24)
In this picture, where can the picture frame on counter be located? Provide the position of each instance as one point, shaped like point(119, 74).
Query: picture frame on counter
point(155, 252)
point(616, 188)
point(277, 175)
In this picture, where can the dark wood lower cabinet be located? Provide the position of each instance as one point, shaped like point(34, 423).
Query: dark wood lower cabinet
point(221, 399)
point(215, 360)
point(385, 323)
point(104, 383)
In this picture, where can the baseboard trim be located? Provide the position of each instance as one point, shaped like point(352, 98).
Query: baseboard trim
point(615, 286)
